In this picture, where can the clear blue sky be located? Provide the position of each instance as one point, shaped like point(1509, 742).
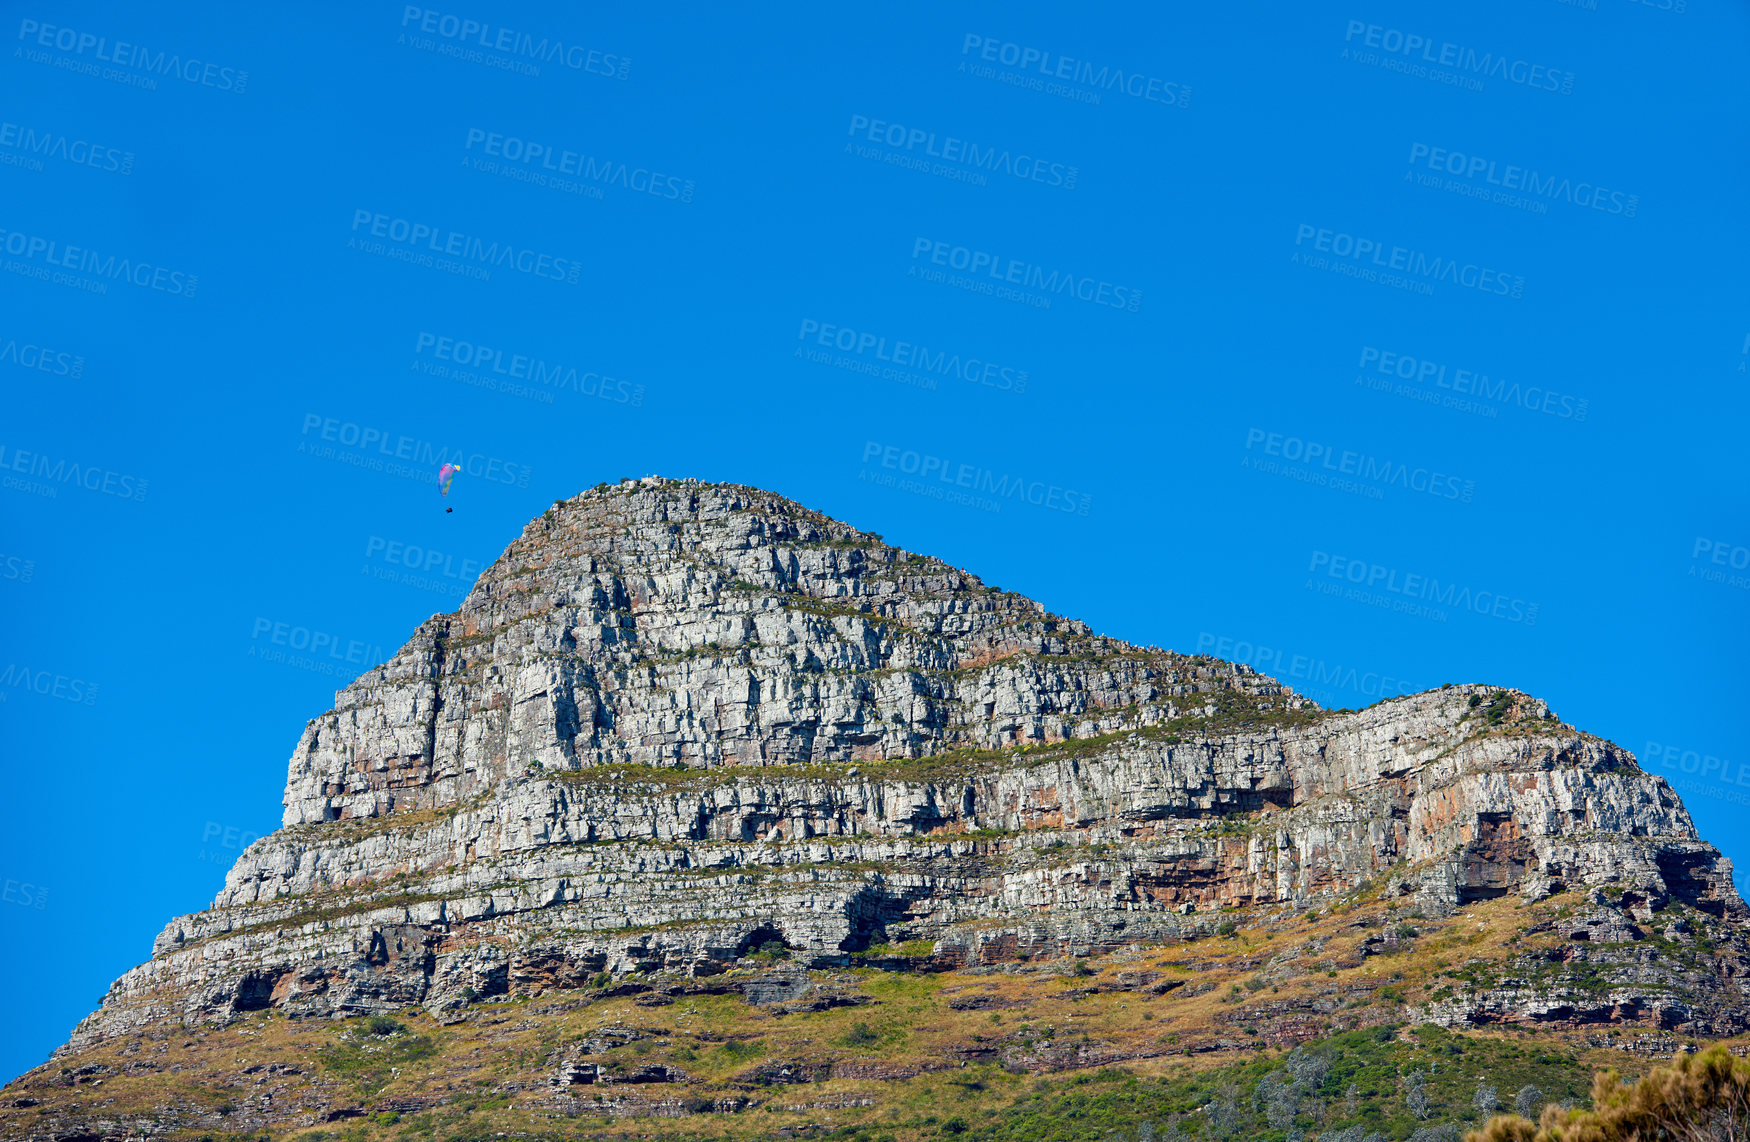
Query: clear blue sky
point(248, 254)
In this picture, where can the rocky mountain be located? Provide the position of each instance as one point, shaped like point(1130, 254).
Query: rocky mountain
point(688, 739)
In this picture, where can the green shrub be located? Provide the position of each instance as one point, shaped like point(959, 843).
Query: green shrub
point(738, 1049)
point(1699, 1096)
point(860, 1035)
point(771, 951)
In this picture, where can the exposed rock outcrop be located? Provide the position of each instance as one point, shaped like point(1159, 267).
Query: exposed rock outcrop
point(676, 722)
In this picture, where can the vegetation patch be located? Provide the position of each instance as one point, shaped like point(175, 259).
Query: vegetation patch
point(369, 1052)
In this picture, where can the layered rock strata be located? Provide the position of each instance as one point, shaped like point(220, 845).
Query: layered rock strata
point(676, 721)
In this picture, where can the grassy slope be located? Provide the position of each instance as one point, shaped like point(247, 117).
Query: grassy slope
point(1044, 1054)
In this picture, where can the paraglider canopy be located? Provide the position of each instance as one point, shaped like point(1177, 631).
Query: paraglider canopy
point(445, 475)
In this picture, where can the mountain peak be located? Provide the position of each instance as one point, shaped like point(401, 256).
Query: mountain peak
point(681, 732)
point(673, 622)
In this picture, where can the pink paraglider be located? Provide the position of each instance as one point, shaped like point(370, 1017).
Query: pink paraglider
point(445, 475)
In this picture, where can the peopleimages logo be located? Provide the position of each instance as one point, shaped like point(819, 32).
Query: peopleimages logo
point(232, 838)
point(1030, 61)
point(424, 567)
point(953, 476)
point(1698, 764)
point(1689, 767)
point(915, 141)
point(1370, 577)
point(520, 367)
point(48, 684)
point(554, 161)
point(82, 260)
point(1468, 382)
point(38, 466)
point(1720, 553)
point(1411, 46)
point(33, 146)
point(416, 558)
point(123, 54)
point(1304, 668)
point(909, 355)
point(1401, 259)
point(318, 651)
point(40, 358)
point(1009, 271)
point(1509, 177)
point(1359, 464)
point(519, 48)
point(451, 244)
point(24, 894)
point(425, 456)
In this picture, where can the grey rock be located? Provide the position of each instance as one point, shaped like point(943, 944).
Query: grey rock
point(675, 721)
point(773, 990)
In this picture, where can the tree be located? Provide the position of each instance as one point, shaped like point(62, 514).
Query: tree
point(1444, 1132)
point(1697, 1098)
point(1525, 1102)
point(1222, 1115)
point(1308, 1070)
point(1278, 1099)
point(1350, 1134)
point(1171, 1133)
point(1414, 1096)
point(1486, 1099)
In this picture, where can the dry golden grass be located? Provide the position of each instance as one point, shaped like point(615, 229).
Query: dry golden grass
point(490, 1073)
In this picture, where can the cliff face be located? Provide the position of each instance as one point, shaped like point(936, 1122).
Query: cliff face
point(676, 721)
